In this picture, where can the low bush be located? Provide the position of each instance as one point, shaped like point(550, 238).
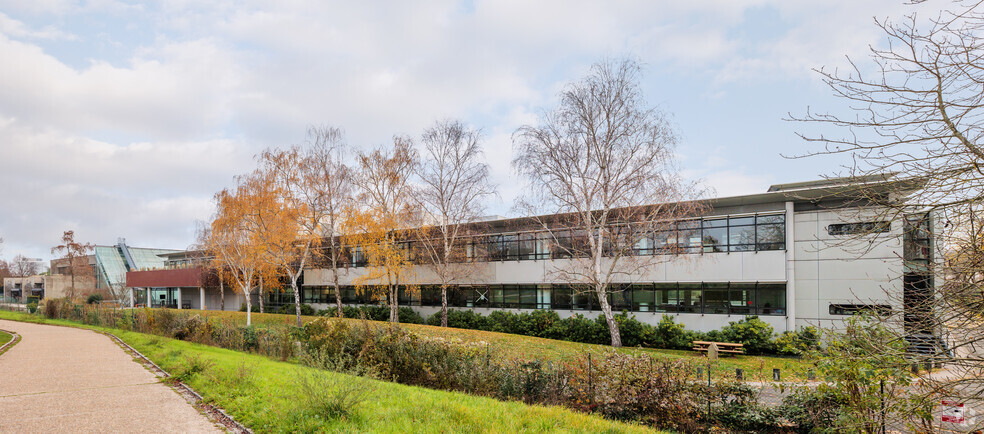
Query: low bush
point(619, 386)
point(798, 343)
point(756, 335)
point(375, 313)
point(32, 307)
point(462, 319)
point(290, 309)
point(252, 308)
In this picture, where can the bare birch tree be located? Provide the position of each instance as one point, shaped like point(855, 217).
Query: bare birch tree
point(329, 181)
point(917, 118)
point(592, 161)
point(454, 182)
point(380, 228)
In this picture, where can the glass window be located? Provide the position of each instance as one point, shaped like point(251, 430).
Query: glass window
point(481, 296)
point(643, 298)
point(742, 298)
point(859, 228)
point(525, 247)
point(688, 236)
point(527, 297)
point(498, 296)
point(349, 294)
point(620, 297)
point(689, 298)
point(851, 309)
point(430, 295)
point(543, 297)
point(771, 237)
point(741, 234)
point(667, 299)
point(404, 295)
point(510, 296)
point(716, 298)
point(773, 218)
point(771, 299)
point(583, 297)
point(715, 239)
point(561, 296)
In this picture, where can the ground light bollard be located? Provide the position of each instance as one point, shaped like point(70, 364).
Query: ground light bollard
point(775, 374)
point(739, 374)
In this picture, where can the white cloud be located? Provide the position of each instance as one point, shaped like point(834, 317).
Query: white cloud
point(17, 29)
point(137, 147)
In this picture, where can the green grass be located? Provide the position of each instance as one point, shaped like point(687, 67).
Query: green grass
point(263, 394)
point(505, 346)
point(4, 338)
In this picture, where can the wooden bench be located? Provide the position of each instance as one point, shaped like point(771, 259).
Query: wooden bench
point(723, 347)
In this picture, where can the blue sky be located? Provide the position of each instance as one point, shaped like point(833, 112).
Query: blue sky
point(123, 119)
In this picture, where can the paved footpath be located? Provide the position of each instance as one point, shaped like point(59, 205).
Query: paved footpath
point(61, 379)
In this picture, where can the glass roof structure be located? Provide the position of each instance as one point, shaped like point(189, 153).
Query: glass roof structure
point(112, 263)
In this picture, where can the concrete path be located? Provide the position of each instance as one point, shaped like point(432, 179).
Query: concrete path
point(61, 379)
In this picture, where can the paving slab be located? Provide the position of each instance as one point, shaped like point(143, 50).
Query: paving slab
point(62, 379)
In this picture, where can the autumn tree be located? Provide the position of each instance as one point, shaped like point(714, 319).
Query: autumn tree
point(601, 164)
point(454, 182)
point(236, 242)
point(913, 112)
point(379, 229)
point(314, 185)
point(76, 255)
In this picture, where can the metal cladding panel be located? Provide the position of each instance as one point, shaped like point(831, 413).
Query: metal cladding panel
point(184, 277)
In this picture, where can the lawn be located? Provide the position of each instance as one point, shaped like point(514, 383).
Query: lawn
point(4, 338)
point(506, 347)
point(266, 395)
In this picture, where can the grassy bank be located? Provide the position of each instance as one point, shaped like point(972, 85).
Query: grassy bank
point(266, 395)
point(4, 338)
point(504, 346)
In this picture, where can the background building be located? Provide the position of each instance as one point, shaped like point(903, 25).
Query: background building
point(799, 254)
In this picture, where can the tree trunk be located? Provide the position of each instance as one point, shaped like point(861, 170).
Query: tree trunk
point(394, 302)
point(249, 308)
point(297, 301)
point(260, 294)
point(606, 309)
point(444, 305)
point(221, 294)
point(338, 290)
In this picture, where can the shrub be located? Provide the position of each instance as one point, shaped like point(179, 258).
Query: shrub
point(462, 319)
point(756, 335)
point(94, 298)
point(289, 309)
point(668, 334)
point(32, 307)
point(798, 343)
point(376, 313)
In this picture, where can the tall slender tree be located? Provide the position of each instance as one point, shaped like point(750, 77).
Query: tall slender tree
point(379, 229)
point(236, 240)
point(454, 182)
point(313, 182)
point(591, 162)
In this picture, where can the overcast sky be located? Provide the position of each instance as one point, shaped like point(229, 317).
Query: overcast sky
point(122, 120)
